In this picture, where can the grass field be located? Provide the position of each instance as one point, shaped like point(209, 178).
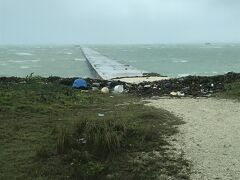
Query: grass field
point(51, 131)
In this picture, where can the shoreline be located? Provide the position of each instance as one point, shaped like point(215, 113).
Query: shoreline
point(190, 86)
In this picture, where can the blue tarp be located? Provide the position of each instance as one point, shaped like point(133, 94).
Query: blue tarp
point(79, 84)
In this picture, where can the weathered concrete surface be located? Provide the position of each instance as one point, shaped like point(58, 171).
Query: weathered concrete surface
point(137, 80)
point(107, 68)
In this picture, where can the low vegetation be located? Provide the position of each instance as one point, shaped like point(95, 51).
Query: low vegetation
point(231, 91)
point(51, 131)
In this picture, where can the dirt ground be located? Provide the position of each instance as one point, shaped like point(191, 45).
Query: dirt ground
point(210, 139)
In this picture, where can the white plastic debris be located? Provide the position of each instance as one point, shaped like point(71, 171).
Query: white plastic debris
point(173, 93)
point(178, 93)
point(100, 115)
point(147, 86)
point(118, 89)
point(105, 90)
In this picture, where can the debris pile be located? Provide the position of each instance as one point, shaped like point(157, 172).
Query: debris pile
point(196, 86)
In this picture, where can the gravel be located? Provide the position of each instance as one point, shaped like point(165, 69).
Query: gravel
point(210, 137)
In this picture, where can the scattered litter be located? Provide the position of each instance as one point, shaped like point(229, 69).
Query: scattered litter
point(82, 140)
point(147, 86)
point(105, 90)
point(84, 91)
point(180, 94)
point(118, 89)
point(193, 86)
point(80, 84)
point(100, 115)
point(173, 93)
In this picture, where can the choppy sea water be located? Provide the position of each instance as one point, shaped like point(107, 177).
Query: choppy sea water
point(170, 60)
point(65, 61)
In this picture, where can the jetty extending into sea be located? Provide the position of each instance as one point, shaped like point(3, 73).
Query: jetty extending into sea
point(107, 68)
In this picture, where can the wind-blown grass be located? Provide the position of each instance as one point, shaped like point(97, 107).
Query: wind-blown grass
point(51, 131)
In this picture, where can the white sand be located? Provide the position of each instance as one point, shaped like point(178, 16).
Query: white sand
point(137, 80)
point(210, 139)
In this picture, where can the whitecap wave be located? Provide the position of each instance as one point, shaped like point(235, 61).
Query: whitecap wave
point(183, 75)
point(217, 47)
point(24, 67)
point(69, 53)
point(17, 61)
point(79, 59)
point(34, 60)
point(211, 47)
point(180, 61)
point(22, 61)
point(24, 54)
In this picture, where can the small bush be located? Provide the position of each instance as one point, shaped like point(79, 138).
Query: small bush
point(103, 136)
point(63, 141)
point(81, 125)
point(31, 79)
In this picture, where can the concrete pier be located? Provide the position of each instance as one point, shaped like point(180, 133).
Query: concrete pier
point(107, 68)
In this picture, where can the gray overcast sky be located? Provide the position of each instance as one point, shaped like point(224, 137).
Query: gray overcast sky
point(119, 21)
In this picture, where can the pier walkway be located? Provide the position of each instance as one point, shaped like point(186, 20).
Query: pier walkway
point(107, 68)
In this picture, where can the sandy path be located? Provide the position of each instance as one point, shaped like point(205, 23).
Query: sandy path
point(210, 139)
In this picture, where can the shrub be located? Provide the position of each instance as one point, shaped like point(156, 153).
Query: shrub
point(33, 79)
point(63, 141)
point(103, 136)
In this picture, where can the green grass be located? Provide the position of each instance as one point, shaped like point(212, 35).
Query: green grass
point(51, 131)
point(232, 91)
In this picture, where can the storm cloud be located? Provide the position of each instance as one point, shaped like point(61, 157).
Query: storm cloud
point(118, 21)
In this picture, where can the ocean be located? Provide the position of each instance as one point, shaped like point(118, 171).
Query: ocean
point(170, 60)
